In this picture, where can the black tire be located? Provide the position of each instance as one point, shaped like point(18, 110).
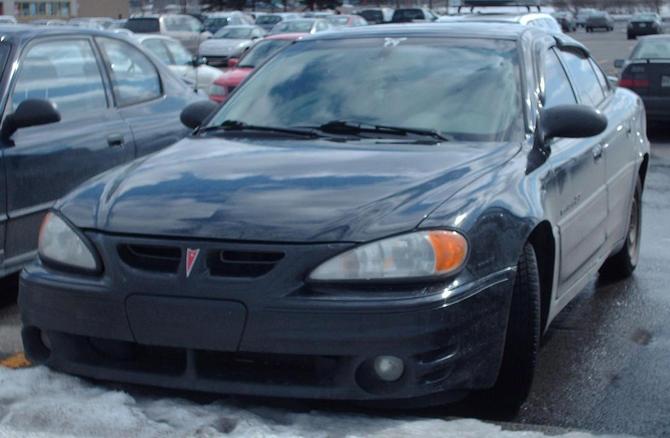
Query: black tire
point(622, 264)
point(522, 343)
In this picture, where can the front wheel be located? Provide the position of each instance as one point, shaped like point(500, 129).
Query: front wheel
point(522, 343)
point(622, 264)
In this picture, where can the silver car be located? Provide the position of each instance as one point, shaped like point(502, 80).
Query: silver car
point(230, 42)
point(188, 30)
point(173, 54)
point(303, 25)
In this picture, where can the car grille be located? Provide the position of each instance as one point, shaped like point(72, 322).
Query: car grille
point(225, 263)
point(151, 257)
point(220, 262)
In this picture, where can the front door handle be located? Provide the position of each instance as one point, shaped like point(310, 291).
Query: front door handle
point(115, 140)
point(597, 152)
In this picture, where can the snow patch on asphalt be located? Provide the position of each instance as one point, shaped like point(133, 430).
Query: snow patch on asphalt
point(37, 402)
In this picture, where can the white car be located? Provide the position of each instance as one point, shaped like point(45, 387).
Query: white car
point(230, 42)
point(172, 53)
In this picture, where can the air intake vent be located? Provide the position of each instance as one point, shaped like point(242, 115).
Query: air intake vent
point(151, 258)
point(242, 263)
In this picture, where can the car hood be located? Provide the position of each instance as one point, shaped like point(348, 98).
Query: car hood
point(280, 190)
point(217, 45)
point(234, 76)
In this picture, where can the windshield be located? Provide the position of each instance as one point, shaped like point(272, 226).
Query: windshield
point(234, 33)
point(143, 25)
point(295, 26)
point(408, 15)
point(645, 17)
point(261, 52)
point(453, 86)
point(339, 20)
point(268, 19)
point(179, 53)
point(652, 49)
point(214, 24)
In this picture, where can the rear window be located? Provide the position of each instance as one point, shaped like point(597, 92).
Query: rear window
point(295, 26)
point(372, 16)
point(381, 82)
point(143, 25)
point(214, 24)
point(652, 49)
point(408, 15)
point(268, 19)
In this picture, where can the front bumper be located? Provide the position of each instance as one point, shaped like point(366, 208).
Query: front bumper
point(253, 339)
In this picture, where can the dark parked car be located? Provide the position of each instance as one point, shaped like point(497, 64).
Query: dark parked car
point(77, 102)
point(377, 15)
point(567, 21)
point(599, 20)
point(413, 237)
point(644, 24)
point(409, 15)
point(647, 72)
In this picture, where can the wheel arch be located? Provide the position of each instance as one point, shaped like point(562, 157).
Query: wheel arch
point(644, 167)
point(544, 245)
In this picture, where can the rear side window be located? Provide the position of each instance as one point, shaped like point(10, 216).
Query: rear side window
point(143, 25)
point(584, 78)
point(64, 72)
point(557, 88)
point(602, 79)
point(158, 49)
point(134, 77)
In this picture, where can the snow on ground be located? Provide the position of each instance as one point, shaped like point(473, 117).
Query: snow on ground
point(37, 402)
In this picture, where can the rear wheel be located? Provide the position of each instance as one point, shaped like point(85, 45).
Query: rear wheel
point(622, 264)
point(522, 343)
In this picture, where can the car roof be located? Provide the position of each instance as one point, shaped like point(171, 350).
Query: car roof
point(456, 28)
point(502, 16)
point(459, 29)
point(140, 37)
point(286, 36)
point(241, 26)
point(23, 32)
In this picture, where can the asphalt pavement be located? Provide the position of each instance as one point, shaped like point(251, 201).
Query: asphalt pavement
point(605, 362)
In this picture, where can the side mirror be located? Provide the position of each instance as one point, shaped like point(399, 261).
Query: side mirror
point(30, 112)
point(198, 61)
point(232, 62)
point(196, 113)
point(572, 121)
point(613, 80)
point(619, 63)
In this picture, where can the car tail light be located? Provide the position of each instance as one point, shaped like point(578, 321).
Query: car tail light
point(634, 83)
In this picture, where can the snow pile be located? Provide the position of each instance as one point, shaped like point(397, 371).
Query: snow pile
point(36, 402)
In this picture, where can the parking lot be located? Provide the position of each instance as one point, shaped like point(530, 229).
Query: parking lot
point(604, 363)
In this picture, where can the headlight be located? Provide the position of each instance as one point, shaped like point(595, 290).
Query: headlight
point(417, 255)
point(217, 90)
point(61, 244)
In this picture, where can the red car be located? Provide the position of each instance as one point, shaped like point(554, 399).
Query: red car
point(239, 69)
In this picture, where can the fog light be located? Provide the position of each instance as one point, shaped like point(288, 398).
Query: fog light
point(389, 368)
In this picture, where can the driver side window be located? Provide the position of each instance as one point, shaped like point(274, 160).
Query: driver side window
point(134, 77)
point(557, 88)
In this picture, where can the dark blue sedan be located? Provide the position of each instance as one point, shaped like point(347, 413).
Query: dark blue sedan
point(75, 103)
point(386, 213)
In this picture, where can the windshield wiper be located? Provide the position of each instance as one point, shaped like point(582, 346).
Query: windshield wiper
point(346, 127)
point(236, 125)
